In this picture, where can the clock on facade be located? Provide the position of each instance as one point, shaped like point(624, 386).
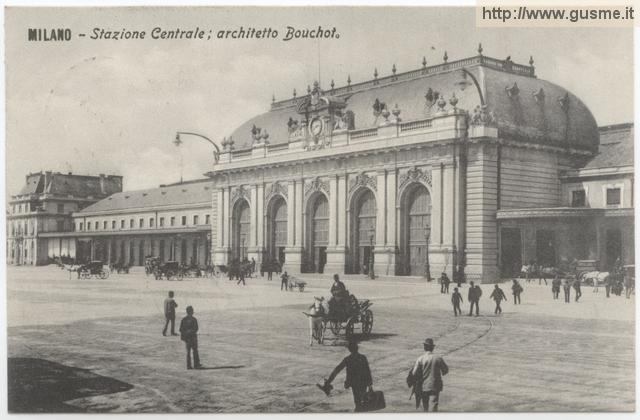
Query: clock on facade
point(316, 126)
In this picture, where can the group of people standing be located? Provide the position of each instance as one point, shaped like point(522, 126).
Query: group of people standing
point(475, 293)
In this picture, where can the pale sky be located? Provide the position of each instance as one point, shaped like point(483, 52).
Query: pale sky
point(114, 107)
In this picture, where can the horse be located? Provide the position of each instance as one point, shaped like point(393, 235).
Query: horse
point(594, 278)
point(316, 315)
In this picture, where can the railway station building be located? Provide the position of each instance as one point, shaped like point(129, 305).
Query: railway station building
point(475, 166)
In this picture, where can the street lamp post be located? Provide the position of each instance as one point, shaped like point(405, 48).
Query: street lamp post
point(178, 142)
point(371, 273)
point(427, 268)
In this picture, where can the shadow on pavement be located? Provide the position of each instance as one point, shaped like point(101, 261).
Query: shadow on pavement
point(42, 386)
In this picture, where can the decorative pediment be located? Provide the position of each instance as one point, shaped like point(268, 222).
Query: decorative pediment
point(362, 180)
point(314, 185)
point(276, 189)
point(239, 192)
point(414, 174)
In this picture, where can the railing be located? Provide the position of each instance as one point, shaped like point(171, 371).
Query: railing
point(367, 132)
point(494, 63)
point(278, 147)
point(241, 153)
point(415, 125)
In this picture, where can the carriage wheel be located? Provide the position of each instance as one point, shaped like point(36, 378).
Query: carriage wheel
point(103, 274)
point(348, 329)
point(334, 326)
point(85, 275)
point(367, 322)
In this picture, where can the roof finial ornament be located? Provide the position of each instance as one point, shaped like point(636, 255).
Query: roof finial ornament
point(393, 69)
point(308, 88)
point(424, 62)
point(480, 48)
point(375, 73)
point(332, 84)
point(349, 80)
point(445, 57)
point(295, 93)
point(531, 60)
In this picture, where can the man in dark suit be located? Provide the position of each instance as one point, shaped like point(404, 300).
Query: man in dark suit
point(426, 377)
point(358, 375)
point(170, 306)
point(474, 298)
point(498, 296)
point(189, 334)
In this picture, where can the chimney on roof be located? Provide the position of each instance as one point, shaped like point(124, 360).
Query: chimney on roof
point(48, 177)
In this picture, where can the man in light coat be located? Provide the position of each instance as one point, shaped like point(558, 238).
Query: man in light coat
point(426, 377)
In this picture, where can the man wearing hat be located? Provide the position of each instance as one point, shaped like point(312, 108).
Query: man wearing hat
point(426, 377)
point(474, 298)
point(358, 375)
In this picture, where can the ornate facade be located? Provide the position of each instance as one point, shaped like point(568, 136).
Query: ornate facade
point(401, 172)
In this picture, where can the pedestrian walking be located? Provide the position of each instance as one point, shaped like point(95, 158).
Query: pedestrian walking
point(498, 295)
point(444, 282)
point(189, 334)
point(555, 286)
point(284, 281)
point(170, 306)
point(516, 289)
point(426, 377)
point(566, 286)
point(456, 300)
point(578, 289)
point(241, 276)
point(474, 298)
point(358, 376)
point(608, 284)
point(253, 265)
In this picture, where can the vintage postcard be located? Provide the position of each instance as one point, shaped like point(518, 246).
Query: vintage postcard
point(319, 209)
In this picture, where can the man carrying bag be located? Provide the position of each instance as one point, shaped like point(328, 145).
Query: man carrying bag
point(358, 379)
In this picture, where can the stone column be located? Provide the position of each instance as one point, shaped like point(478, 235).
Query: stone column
point(293, 251)
point(221, 247)
point(386, 258)
point(380, 260)
point(257, 223)
point(337, 215)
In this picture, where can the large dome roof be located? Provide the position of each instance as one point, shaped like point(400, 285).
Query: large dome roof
point(524, 107)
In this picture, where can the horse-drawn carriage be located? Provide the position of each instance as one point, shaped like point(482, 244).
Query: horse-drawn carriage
point(171, 270)
point(342, 317)
point(119, 267)
point(93, 268)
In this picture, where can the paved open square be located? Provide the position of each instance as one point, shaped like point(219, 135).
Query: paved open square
point(97, 346)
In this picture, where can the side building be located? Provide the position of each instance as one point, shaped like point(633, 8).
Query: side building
point(171, 222)
point(594, 221)
point(45, 204)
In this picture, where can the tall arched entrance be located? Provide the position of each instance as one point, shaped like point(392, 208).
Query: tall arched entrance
point(277, 229)
point(318, 229)
point(416, 218)
point(363, 231)
point(241, 225)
